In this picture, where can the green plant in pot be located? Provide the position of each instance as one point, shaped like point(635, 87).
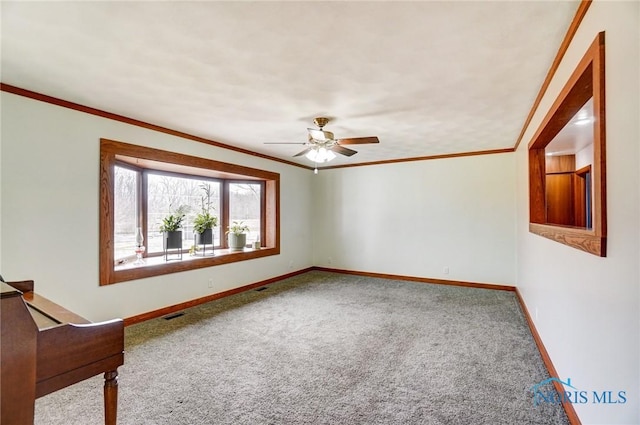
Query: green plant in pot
point(204, 222)
point(203, 226)
point(171, 225)
point(237, 235)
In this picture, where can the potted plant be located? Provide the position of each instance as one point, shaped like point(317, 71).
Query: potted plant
point(237, 235)
point(171, 225)
point(203, 226)
point(204, 222)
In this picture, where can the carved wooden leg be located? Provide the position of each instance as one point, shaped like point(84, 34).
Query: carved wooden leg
point(111, 397)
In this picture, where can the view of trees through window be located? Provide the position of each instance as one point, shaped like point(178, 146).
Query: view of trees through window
point(125, 211)
point(244, 206)
point(166, 194)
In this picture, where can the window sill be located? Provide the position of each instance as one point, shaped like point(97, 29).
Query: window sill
point(156, 266)
point(580, 238)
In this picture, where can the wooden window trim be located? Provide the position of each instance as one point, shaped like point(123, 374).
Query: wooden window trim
point(109, 149)
point(591, 69)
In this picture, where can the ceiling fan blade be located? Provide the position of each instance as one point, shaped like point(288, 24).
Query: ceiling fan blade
point(342, 150)
point(303, 152)
point(320, 134)
point(285, 143)
point(358, 140)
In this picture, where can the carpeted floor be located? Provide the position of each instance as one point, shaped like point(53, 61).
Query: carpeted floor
point(323, 348)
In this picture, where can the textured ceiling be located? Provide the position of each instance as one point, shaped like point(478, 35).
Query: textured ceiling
point(427, 78)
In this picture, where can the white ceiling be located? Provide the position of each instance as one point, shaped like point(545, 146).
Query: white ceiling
point(427, 78)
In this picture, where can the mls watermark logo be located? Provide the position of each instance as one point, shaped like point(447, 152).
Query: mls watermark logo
point(545, 392)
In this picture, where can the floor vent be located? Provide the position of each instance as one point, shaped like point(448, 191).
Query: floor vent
point(173, 316)
point(261, 289)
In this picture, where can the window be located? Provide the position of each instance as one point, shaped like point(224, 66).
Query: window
point(166, 193)
point(140, 186)
point(126, 211)
point(245, 205)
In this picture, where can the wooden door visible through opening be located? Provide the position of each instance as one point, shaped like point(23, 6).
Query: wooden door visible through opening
point(560, 204)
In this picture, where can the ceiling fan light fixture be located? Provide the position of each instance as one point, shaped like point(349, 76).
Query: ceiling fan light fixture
point(320, 155)
point(322, 146)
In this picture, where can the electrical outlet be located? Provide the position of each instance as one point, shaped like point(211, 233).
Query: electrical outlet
point(445, 270)
point(210, 283)
point(290, 264)
point(329, 260)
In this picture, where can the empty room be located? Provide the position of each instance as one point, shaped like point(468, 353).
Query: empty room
point(320, 212)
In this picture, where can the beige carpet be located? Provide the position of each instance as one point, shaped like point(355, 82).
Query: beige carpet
point(323, 348)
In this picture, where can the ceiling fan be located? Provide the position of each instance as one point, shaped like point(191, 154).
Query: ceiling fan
point(322, 145)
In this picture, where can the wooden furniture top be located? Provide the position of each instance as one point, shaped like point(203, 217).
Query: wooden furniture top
point(46, 347)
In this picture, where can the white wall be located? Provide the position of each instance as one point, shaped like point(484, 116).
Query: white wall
point(49, 188)
point(585, 307)
point(584, 157)
point(416, 218)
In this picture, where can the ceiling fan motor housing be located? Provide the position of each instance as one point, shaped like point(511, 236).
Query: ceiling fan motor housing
point(320, 121)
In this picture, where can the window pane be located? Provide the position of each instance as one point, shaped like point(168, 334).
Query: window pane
point(166, 194)
point(125, 211)
point(244, 205)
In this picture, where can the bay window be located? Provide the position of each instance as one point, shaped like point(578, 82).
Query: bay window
point(140, 186)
